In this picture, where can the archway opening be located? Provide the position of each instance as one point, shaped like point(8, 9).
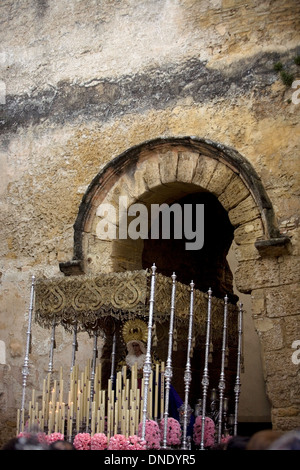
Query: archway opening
point(208, 266)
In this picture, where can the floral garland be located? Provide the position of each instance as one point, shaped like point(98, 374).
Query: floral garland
point(209, 431)
point(173, 431)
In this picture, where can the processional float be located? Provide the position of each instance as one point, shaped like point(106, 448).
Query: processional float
point(122, 406)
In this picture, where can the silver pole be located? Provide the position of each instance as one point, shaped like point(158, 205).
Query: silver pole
point(222, 383)
point(74, 346)
point(188, 374)
point(205, 378)
point(95, 354)
point(52, 347)
point(168, 369)
point(113, 358)
point(25, 370)
point(148, 363)
point(237, 387)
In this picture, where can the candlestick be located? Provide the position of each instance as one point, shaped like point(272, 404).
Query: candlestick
point(222, 382)
point(205, 378)
point(25, 370)
point(188, 374)
point(169, 372)
point(147, 363)
point(237, 387)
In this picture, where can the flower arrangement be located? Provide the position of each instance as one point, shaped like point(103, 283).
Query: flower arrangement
point(118, 442)
point(173, 431)
point(136, 443)
point(99, 441)
point(82, 441)
point(209, 431)
point(55, 436)
point(152, 434)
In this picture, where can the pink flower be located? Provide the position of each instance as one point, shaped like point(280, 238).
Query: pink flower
point(173, 431)
point(136, 443)
point(82, 441)
point(99, 441)
point(55, 436)
point(152, 434)
point(209, 431)
point(118, 442)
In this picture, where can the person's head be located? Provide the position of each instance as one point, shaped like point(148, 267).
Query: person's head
point(135, 347)
point(61, 445)
point(237, 443)
point(30, 442)
point(261, 440)
point(287, 441)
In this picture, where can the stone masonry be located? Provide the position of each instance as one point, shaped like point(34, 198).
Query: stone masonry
point(154, 100)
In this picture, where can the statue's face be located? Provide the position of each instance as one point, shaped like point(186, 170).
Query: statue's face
point(136, 349)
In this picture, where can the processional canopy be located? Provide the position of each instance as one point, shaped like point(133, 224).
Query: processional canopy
point(88, 301)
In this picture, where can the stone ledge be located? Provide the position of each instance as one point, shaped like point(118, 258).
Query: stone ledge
point(273, 247)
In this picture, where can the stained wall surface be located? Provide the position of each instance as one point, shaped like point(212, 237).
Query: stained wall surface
point(84, 81)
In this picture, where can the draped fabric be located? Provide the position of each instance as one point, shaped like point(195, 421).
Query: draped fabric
point(89, 300)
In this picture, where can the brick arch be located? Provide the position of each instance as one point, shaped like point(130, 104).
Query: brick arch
point(164, 170)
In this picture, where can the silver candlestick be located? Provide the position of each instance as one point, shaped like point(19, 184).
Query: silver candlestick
point(95, 354)
point(237, 387)
point(52, 347)
point(113, 358)
point(205, 377)
point(25, 370)
point(222, 383)
point(168, 369)
point(188, 374)
point(74, 346)
point(148, 363)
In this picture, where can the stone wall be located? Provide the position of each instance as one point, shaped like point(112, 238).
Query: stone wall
point(84, 82)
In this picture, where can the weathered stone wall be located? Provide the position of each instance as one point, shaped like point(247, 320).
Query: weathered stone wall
point(83, 82)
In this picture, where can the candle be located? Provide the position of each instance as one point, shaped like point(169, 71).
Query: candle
point(22, 420)
point(18, 420)
point(156, 392)
point(116, 419)
point(137, 410)
point(150, 403)
point(127, 424)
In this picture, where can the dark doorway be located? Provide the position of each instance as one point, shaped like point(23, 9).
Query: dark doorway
point(207, 267)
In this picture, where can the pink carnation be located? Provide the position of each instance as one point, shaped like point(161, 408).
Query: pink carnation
point(118, 442)
point(55, 436)
point(82, 441)
point(173, 431)
point(209, 431)
point(99, 441)
point(136, 443)
point(152, 434)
